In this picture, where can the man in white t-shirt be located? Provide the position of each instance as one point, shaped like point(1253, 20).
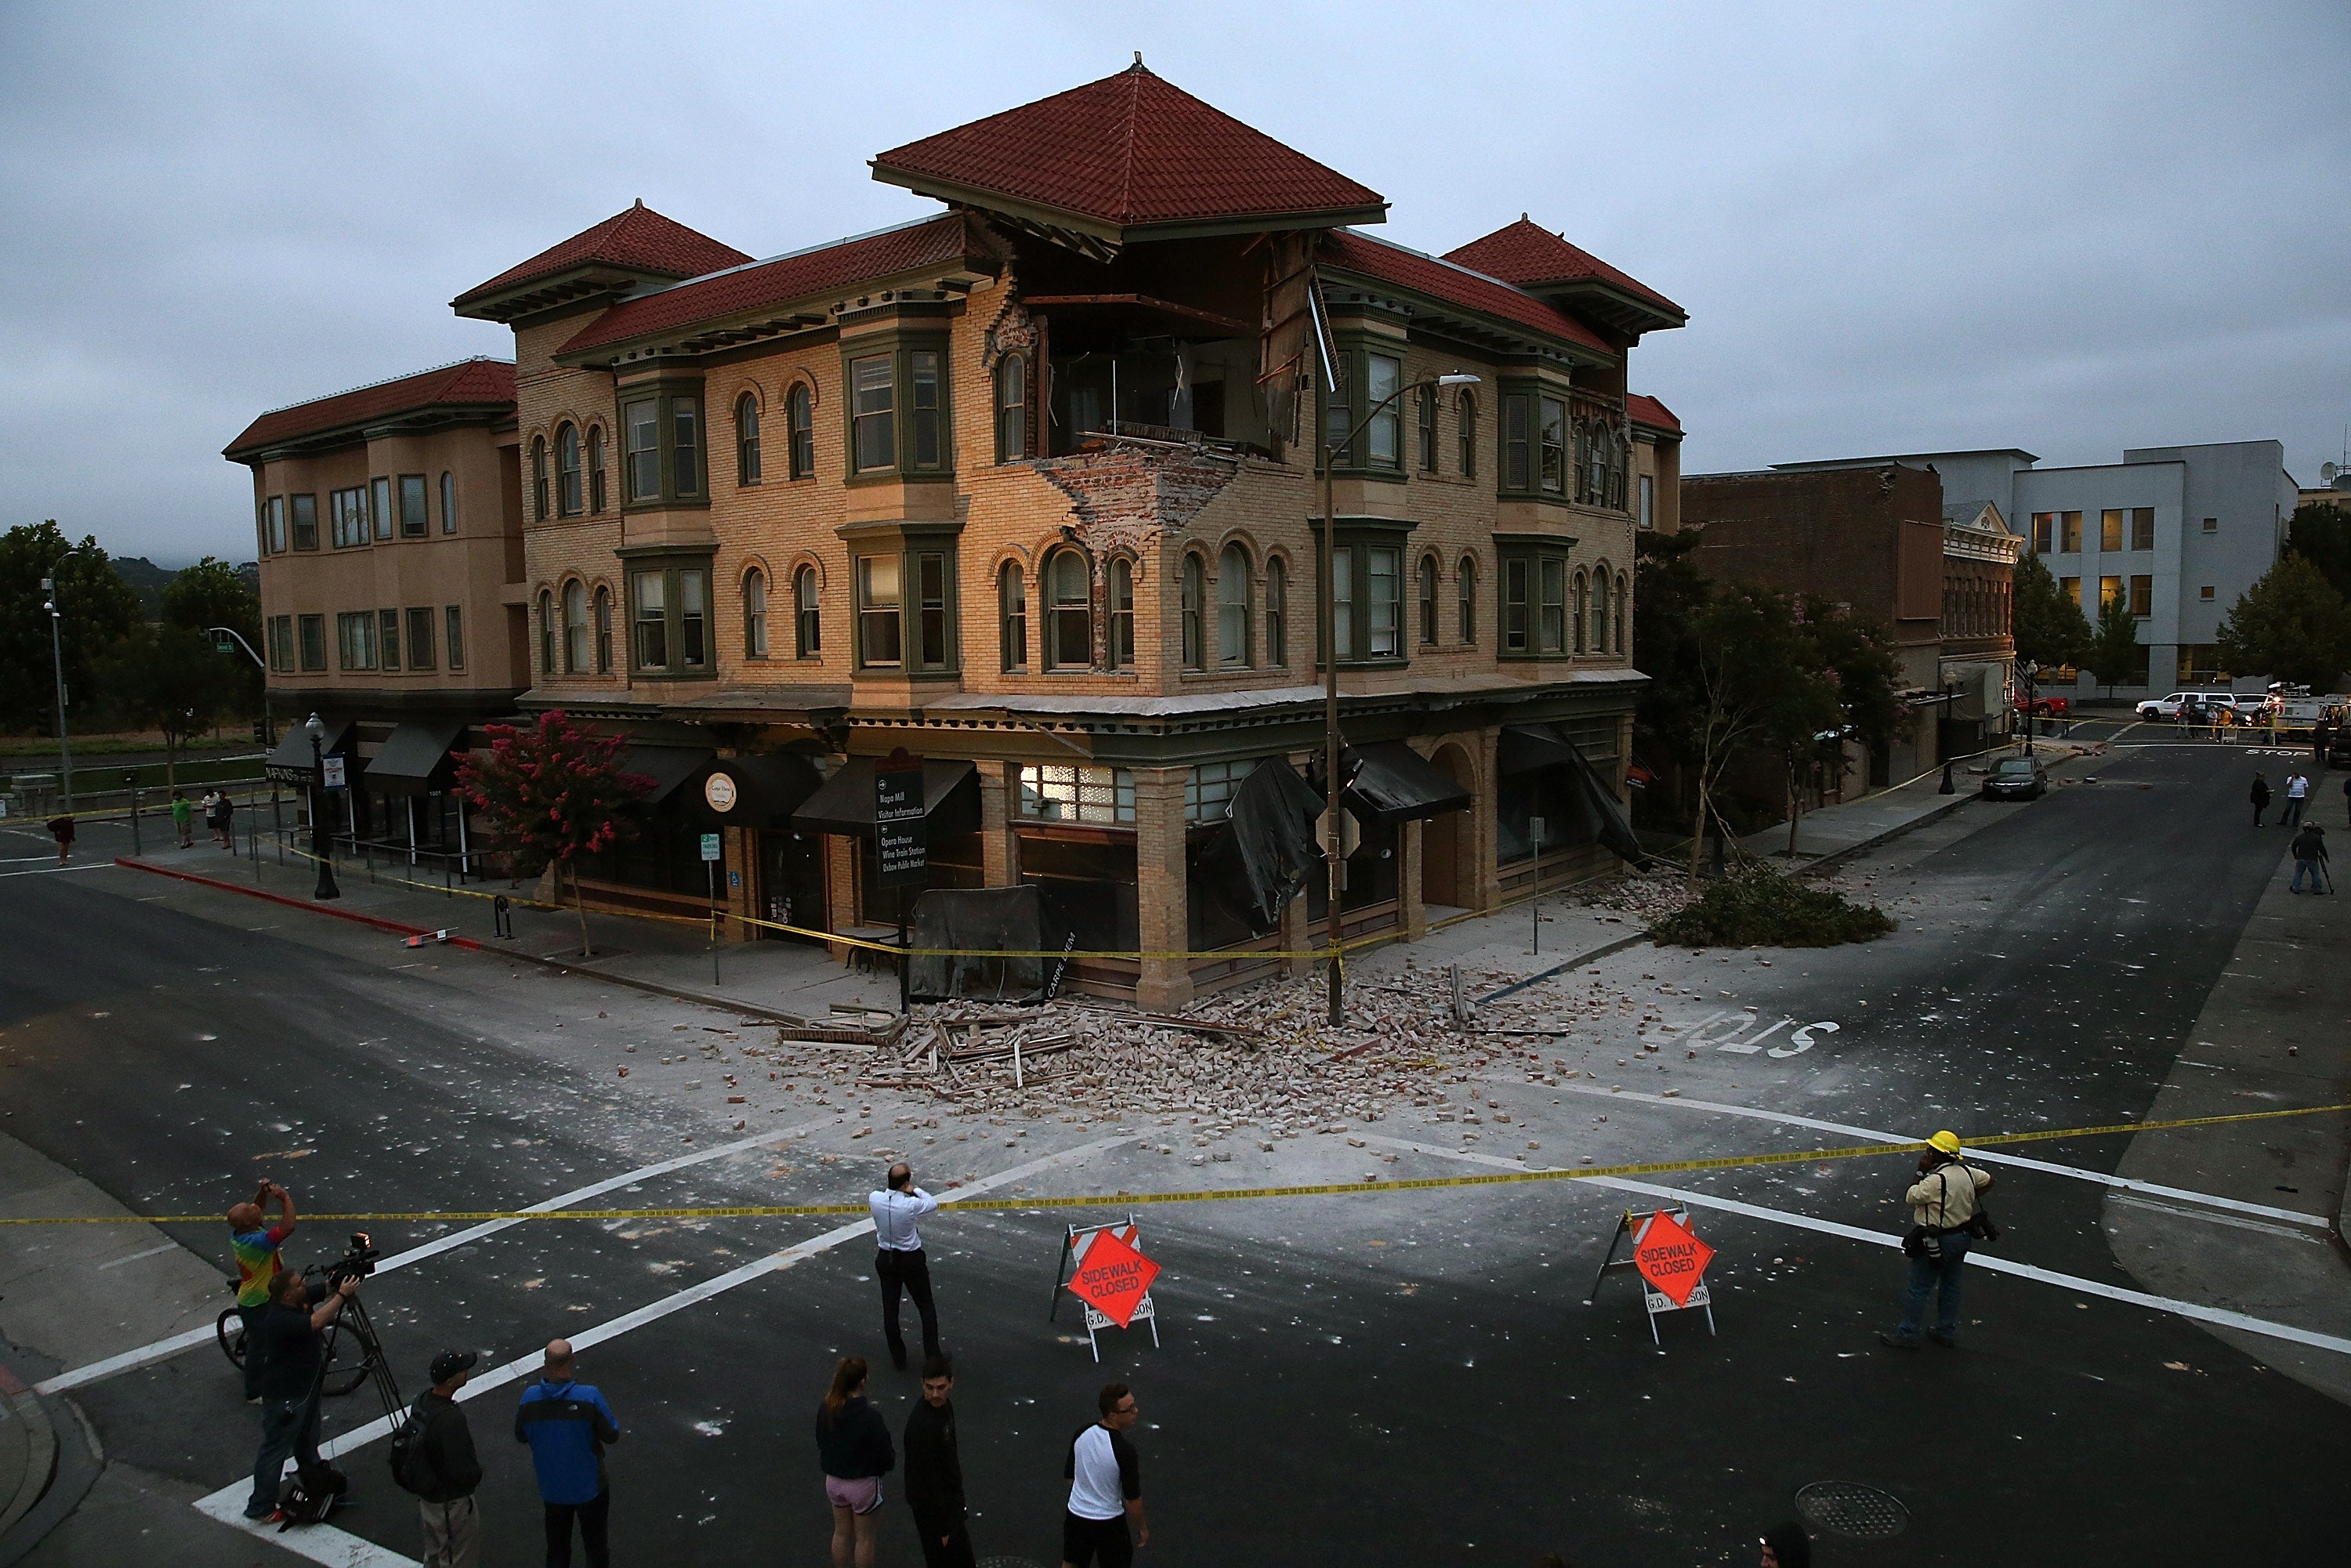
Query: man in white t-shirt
point(1105, 1488)
point(2297, 796)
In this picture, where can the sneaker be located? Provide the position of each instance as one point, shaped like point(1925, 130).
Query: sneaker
point(253, 1399)
point(1899, 1342)
point(1948, 1341)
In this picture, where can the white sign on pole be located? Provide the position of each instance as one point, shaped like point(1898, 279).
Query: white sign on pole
point(710, 850)
point(336, 779)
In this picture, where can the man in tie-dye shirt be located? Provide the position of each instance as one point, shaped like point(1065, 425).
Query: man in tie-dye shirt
point(255, 1244)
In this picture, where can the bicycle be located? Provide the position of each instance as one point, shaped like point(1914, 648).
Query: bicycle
point(353, 1354)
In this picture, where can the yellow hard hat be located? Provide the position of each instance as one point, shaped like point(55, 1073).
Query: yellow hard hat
point(1948, 1141)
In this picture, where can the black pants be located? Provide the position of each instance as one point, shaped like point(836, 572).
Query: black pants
point(945, 1542)
point(590, 1515)
point(1089, 1540)
point(909, 1271)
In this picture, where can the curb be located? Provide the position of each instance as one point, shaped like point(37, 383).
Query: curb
point(64, 1466)
point(1825, 862)
point(401, 928)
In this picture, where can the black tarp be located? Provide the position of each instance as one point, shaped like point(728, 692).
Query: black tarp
point(1389, 782)
point(978, 922)
point(1260, 856)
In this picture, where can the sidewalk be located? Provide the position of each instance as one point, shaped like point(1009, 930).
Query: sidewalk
point(1833, 833)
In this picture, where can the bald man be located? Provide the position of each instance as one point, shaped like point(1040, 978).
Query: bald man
point(567, 1426)
point(898, 1260)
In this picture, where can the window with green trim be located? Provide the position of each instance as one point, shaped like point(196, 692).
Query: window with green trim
point(1367, 599)
point(898, 408)
point(669, 618)
point(661, 444)
point(905, 609)
point(1540, 619)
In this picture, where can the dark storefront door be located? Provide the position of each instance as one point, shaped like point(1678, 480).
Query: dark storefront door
point(791, 881)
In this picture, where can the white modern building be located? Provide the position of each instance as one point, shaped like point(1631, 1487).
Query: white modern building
point(2176, 532)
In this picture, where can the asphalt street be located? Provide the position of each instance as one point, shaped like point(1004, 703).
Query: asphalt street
point(1400, 1379)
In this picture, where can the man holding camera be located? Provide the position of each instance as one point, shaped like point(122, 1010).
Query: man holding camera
point(1947, 1210)
point(899, 1262)
point(293, 1353)
point(256, 1242)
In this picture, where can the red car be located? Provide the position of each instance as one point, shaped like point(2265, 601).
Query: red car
point(2047, 707)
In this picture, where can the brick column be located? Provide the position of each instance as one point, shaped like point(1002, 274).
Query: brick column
point(738, 882)
point(1294, 933)
point(1411, 913)
point(1161, 894)
point(1485, 818)
point(840, 886)
point(999, 850)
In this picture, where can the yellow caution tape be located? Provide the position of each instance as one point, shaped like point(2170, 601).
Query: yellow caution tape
point(1224, 1194)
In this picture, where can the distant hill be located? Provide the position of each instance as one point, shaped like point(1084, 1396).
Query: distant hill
point(146, 579)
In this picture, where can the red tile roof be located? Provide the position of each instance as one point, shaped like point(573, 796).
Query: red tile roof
point(1648, 411)
point(1455, 284)
point(934, 242)
point(1131, 149)
point(468, 383)
point(1529, 256)
point(639, 238)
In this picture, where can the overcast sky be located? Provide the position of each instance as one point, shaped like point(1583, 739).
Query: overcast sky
point(2065, 227)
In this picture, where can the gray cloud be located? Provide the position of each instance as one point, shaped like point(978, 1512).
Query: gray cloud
point(2071, 228)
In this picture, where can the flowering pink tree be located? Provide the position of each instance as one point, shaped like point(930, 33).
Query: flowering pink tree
point(552, 794)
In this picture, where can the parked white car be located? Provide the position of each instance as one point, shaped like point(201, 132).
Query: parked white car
point(2167, 708)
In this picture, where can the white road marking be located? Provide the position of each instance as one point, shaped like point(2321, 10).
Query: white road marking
point(164, 1349)
point(134, 1256)
point(228, 1502)
point(318, 1543)
point(2220, 1317)
point(1988, 1156)
point(2261, 1225)
point(54, 870)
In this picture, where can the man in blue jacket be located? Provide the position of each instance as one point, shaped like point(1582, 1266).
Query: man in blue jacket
point(567, 1424)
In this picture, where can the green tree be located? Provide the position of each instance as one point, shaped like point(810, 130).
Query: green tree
point(553, 794)
point(2321, 534)
point(2050, 628)
point(208, 594)
point(2112, 655)
point(169, 679)
point(97, 610)
point(1759, 683)
point(1863, 679)
point(1671, 593)
point(2291, 625)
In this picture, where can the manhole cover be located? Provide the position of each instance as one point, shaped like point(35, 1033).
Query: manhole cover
point(1852, 1509)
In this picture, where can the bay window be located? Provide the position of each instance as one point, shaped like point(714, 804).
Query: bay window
point(1543, 615)
point(1367, 593)
point(898, 407)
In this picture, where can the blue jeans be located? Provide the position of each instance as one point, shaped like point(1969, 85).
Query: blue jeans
point(2314, 869)
point(1926, 1274)
point(290, 1429)
point(2293, 814)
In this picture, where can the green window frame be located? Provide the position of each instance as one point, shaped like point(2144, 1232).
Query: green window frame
point(669, 618)
point(1367, 593)
point(567, 495)
point(313, 642)
point(1426, 403)
point(1467, 418)
point(355, 639)
point(799, 425)
point(1364, 379)
point(1011, 408)
point(1537, 590)
point(905, 607)
point(898, 423)
point(664, 457)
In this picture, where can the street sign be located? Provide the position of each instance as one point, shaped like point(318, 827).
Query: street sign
point(719, 790)
point(336, 776)
point(900, 836)
point(710, 847)
point(1108, 1273)
point(1671, 1257)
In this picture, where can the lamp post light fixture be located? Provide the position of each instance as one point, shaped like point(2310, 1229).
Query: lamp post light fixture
point(2030, 674)
point(322, 843)
point(1334, 849)
point(58, 663)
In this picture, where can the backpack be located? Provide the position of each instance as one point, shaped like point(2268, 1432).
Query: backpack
point(406, 1456)
point(309, 1496)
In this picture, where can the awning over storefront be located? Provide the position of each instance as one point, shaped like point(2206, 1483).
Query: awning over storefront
point(1390, 783)
point(1591, 806)
point(761, 791)
point(290, 762)
point(845, 803)
point(416, 760)
point(667, 765)
point(1263, 852)
point(1524, 748)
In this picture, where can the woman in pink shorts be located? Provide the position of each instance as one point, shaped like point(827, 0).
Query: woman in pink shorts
point(852, 1442)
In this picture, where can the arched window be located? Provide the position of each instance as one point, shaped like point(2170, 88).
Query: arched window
point(1012, 612)
point(539, 478)
point(1599, 611)
point(800, 426)
point(746, 440)
point(1582, 608)
point(1598, 448)
point(807, 627)
point(1121, 614)
point(1277, 613)
point(1011, 409)
point(567, 470)
point(1428, 598)
point(449, 502)
point(1467, 588)
point(1468, 431)
point(1069, 605)
point(1233, 608)
point(546, 633)
point(575, 628)
point(1195, 596)
point(595, 468)
point(603, 631)
point(755, 614)
point(1623, 592)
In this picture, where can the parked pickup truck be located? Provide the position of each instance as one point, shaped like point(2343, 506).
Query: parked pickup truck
point(2047, 707)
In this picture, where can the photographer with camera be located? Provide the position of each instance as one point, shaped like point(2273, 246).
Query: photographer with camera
point(292, 1355)
point(1947, 1209)
point(256, 1243)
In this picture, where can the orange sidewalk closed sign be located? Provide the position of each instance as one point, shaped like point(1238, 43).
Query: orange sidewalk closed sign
point(1671, 1257)
point(1113, 1278)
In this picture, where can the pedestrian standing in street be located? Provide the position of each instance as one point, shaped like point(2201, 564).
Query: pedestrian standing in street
point(1943, 1202)
point(569, 1425)
point(210, 806)
point(853, 1444)
point(2320, 734)
point(935, 1471)
point(184, 820)
point(292, 1355)
point(898, 1260)
point(2310, 860)
point(1105, 1488)
point(1786, 1546)
point(223, 820)
point(61, 828)
point(2297, 791)
point(254, 1244)
point(2260, 797)
point(442, 1468)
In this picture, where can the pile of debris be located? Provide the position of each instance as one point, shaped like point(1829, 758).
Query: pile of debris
point(1649, 894)
point(1757, 906)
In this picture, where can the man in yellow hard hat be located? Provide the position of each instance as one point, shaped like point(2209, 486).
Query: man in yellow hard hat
point(1947, 1213)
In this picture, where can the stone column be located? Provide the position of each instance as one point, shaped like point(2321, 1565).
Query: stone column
point(1411, 913)
point(1161, 894)
point(840, 886)
point(738, 882)
point(999, 848)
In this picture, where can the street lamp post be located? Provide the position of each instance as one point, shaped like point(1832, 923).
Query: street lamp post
point(58, 662)
point(2030, 673)
point(322, 843)
point(1334, 857)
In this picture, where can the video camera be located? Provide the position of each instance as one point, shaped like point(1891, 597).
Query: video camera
point(356, 1264)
